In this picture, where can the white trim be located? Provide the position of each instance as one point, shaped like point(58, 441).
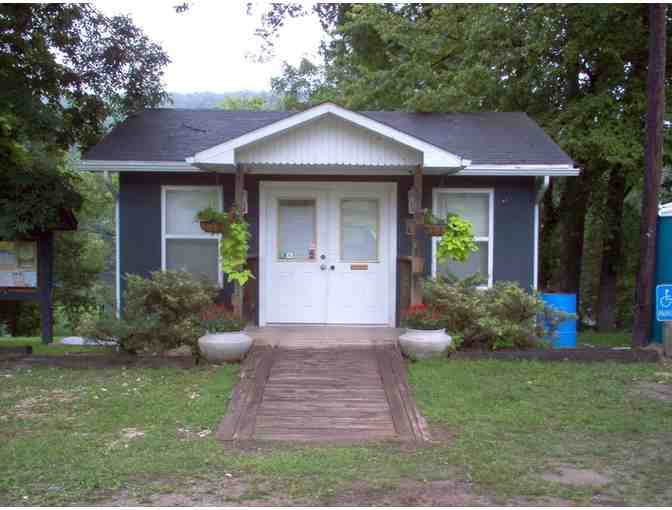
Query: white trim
point(205, 235)
point(117, 254)
point(182, 166)
point(521, 170)
point(265, 187)
point(225, 153)
point(97, 165)
point(665, 210)
point(491, 224)
point(535, 275)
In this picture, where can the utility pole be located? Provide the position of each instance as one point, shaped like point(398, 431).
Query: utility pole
point(653, 162)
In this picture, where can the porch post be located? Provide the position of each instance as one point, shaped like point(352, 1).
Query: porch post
point(237, 300)
point(416, 247)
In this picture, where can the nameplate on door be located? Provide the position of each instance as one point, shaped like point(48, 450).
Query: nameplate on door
point(359, 267)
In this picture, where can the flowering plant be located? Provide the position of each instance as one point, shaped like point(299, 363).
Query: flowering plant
point(422, 317)
point(220, 319)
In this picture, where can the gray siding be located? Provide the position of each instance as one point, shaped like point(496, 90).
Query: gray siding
point(140, 216)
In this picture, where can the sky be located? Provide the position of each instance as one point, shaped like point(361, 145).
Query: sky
point(212, 45)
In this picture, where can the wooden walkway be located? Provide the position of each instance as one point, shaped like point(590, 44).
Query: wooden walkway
point(328, 395)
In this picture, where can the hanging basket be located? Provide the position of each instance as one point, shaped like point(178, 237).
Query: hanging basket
point(434, 229)
point(212, 227)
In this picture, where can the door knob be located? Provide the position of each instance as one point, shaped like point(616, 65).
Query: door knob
point(323, 267)
point(332, 267)
point(323, 256)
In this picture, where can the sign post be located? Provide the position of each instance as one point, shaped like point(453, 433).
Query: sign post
point(664, 314)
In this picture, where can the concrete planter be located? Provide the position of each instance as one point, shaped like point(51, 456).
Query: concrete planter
point(220, 347)
point(422, 344)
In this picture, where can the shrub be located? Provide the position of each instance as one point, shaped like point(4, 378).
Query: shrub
point(161, 313)
point(503, 316)
point(220, 319)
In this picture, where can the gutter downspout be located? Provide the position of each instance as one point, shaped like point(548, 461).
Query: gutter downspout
point(539, 197)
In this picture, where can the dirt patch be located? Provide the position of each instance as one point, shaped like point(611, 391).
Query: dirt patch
point(411, 493)
point(570, 475)
point(41, 405)
point(229, 490)
point(654, 391)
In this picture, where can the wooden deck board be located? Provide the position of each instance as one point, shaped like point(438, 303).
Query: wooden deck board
point(343, 394)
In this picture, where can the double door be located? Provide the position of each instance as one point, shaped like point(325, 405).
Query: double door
point(327, 253)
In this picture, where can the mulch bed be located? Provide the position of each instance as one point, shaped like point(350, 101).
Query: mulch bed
point(623, 355)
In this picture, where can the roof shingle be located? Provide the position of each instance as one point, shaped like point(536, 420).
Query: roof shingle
point(509, 138)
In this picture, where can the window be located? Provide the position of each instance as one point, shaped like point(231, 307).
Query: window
point(185, 245)
point(359, 229)
point(297, 229)
point(475, 205)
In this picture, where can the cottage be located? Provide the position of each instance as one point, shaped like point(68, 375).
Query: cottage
point(328, 193)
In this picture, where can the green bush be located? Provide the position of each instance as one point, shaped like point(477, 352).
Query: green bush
point(160, 313)
point(503, 316)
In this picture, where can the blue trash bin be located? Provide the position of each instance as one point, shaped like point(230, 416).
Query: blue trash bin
point(565, 336)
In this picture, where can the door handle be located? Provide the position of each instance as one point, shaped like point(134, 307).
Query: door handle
point(323, 267)
point(332, 267)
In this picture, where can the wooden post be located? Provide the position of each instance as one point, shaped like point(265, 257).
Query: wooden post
point(237, 300)
point(45, 271)
point(416, 247)
point(667, 338)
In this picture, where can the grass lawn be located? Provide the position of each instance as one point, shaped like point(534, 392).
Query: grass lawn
point(144, 436)
point(597, 339)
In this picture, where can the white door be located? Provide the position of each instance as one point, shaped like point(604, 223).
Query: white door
point(359, 254)
point(328, 250)
point(296, 291)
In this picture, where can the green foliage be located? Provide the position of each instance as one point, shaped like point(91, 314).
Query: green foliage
point(220, 319)
point(4, 330)
point(234, 244)
point(241, 103)
point(457, 242)
point(503, 316)
point(66, 70)
point(160, 313)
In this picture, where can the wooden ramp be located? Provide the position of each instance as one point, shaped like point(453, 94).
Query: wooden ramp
point(346, 394)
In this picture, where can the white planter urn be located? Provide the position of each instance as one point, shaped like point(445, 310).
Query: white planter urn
point(424, 343)
point(220, 347)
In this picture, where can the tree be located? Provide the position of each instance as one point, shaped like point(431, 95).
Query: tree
point(578, 70)
point(242, 103)
point(66, 70)
point(653, 163)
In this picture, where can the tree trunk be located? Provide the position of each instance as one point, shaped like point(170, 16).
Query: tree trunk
point(573, 207)
point(653, 159)
point(549, 222)
point(612, 248)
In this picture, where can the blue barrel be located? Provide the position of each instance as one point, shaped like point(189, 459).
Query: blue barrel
point(565, 336)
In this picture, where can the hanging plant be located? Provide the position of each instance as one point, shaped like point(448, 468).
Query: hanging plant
point(234, 244)
point(457, 241)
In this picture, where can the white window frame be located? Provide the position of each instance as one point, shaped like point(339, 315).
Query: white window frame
point(204, 235)
point(490, 239)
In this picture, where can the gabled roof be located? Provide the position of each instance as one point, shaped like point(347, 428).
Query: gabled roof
point(491, 139)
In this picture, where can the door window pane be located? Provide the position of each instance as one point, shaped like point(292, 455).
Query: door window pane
point(181, 209)
point(476, 263)
point(359, 229)
point(198, 256)
point(297, 227)
point(474, 207)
